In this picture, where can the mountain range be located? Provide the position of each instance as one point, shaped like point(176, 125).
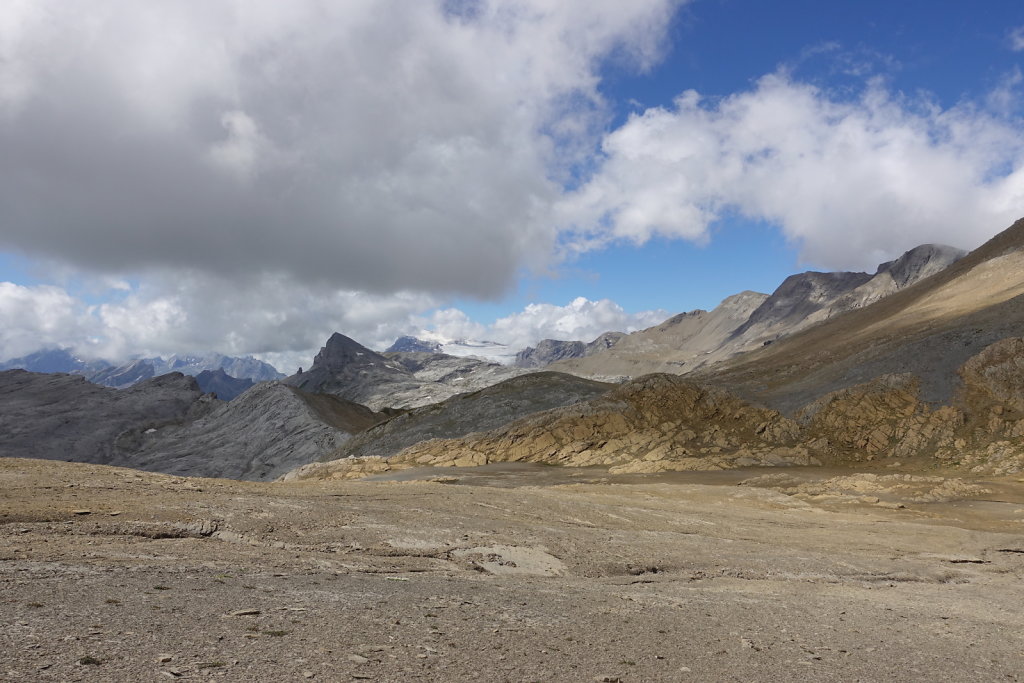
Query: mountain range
point(920, 361)
point(226, 375)
point(749, 320)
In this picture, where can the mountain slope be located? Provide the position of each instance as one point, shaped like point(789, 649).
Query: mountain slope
point(549, 351)
point(477, 411)
point(663, 422)
point(747, 321)
point(680, 344)
point(65, 417)
point(265, 432)
point(928, 329)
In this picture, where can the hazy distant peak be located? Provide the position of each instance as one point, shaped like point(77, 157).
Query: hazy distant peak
point(408, 344)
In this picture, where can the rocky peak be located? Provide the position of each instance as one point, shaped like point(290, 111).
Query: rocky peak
point(920, 262)
point(341, 351)
point(801, 295)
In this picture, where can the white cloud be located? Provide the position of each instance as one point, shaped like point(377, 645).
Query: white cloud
point(853, 183)
point(40, 316)
point(580, 319)
point(1017, 39)
point(193, 313)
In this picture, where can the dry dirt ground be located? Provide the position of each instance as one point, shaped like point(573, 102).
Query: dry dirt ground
point(555, 575)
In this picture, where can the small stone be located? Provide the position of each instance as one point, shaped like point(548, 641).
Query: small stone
point(245, 613)
point(81, 512)
point(163, 659)
point(358, 659)
point(308, 674)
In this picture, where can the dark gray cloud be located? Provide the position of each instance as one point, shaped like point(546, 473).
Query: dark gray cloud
point(382, 145)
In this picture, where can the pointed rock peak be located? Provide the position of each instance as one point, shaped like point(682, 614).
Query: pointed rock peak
point(342, 350)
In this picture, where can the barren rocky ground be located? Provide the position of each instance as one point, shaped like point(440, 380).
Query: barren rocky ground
point(527, 573)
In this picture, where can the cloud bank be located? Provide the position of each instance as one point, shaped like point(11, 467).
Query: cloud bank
point(165, 318)
point(852, 182)
point(378, 145)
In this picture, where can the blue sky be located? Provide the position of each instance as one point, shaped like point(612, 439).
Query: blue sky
point(254, 176)
point(953, 50)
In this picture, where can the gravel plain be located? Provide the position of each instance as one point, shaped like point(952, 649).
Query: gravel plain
point(111, 574)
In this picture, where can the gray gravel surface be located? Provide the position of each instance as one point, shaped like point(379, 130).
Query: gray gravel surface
point(117, 575)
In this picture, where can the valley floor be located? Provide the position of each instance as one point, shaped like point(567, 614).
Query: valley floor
point(117, 575)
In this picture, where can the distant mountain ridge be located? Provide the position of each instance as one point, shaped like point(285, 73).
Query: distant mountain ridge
point(222, 384)
point(747, 321)
point(130, 373)
point(549, 351)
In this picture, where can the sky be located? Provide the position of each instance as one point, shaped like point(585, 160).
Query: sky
point(250, 176)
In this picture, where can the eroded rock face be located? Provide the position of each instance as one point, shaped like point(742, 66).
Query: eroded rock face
point(997, 374)
point(881, 419)
point(652, 424)
point(981, 431)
